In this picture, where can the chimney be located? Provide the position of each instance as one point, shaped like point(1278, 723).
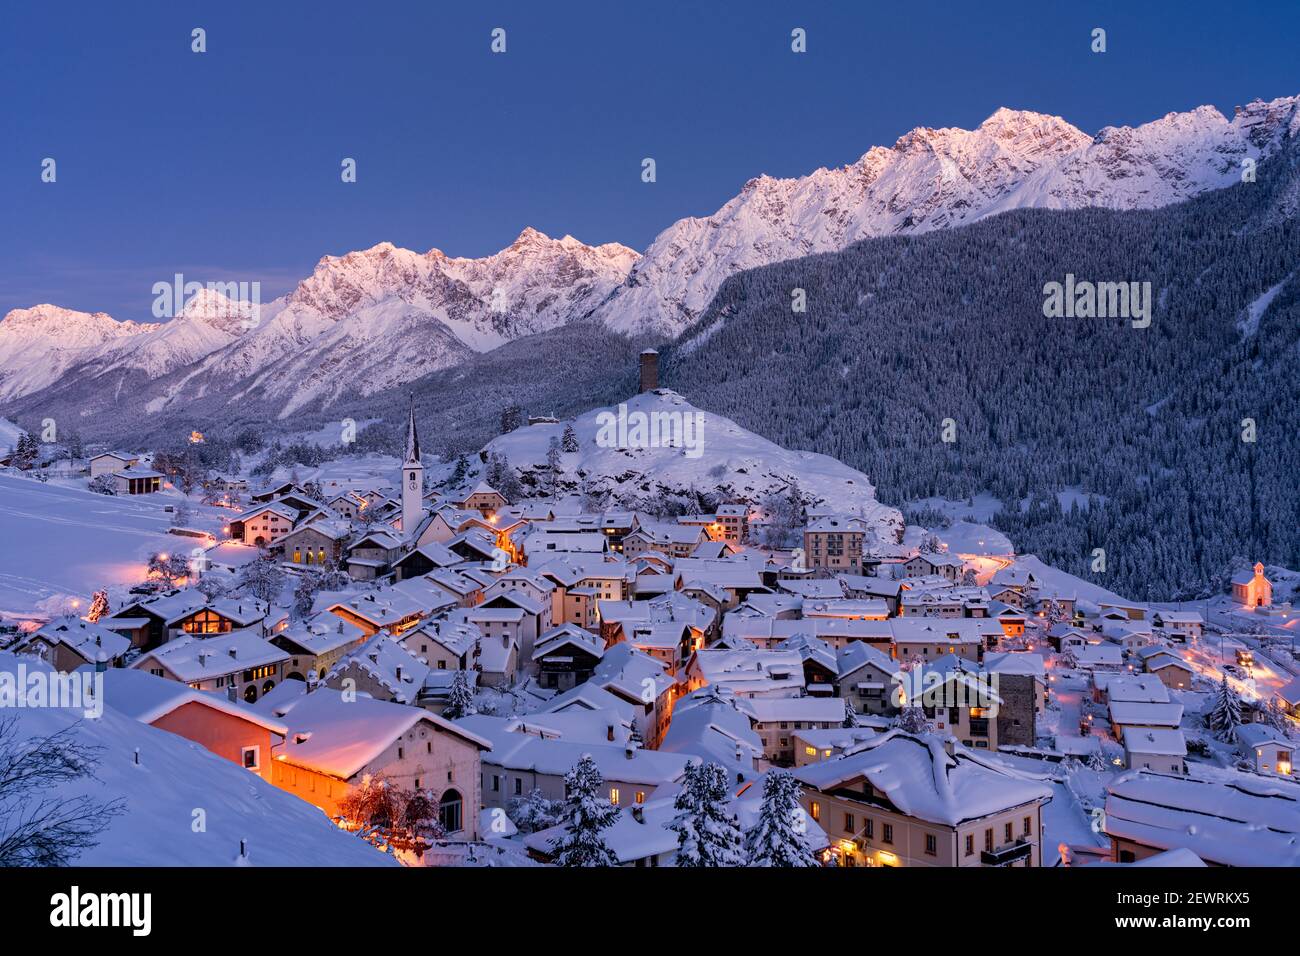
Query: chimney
point(629, 752)
point(649, 370)
point(233, 653)
point(609, 733)
point(638, 813)
point(399, 672)
point(231, 694)
point(101, 662)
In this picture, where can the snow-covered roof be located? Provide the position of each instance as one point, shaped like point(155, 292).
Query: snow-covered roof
point(341, 737)
point(567, 635)
point(90, 641)
point(630, 673)
point(708, 725)
point(386, 662)
point(147, 698)
point(1256, 735)
point(1159, 741)
point(1239, 820)
point(766, 710)
point(381, 608)
point(524, 752)
point(1016, 662)
point(194, 659)
point(321, 634)
point(921, 778)
point(1134, 688)
point(1143, 714)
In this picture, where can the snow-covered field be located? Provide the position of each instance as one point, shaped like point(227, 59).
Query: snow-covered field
point(60, 540)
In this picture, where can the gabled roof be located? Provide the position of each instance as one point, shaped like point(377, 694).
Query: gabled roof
point(1235, 819)
point(919, 777)
point(90, 641)
point(568, 635)
point(386, 662)
point(194, 659)
point(147, 698)
point(340, 738)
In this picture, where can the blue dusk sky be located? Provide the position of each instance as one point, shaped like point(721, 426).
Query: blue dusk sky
point(225, 165)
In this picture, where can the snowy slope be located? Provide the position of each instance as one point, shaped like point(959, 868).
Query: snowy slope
point(933, 179)
point(173, 779)
point(748, 466)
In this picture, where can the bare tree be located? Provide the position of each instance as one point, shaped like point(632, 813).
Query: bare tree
point(38, 828)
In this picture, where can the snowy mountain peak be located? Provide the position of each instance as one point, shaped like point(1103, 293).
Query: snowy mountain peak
point(939, 178)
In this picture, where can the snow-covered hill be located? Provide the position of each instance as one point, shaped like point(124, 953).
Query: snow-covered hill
point(743, 465)
point(173, 779)
point(934, 179)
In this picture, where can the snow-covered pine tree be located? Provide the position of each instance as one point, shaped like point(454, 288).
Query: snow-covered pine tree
point(262, 578)
point(707, 833)
point(460, 700)
point(569, 441)
point(850, 715)
point(98, 606)
point(1225, 713)
point(778, 839)
point(912, 720)
point(533, 812)
point(586, 814)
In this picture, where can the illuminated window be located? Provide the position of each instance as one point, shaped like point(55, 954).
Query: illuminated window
point(613, 795)
point(810, 751)
point(816, 810)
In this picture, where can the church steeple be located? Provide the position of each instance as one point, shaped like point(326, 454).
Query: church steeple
point(412, 479)
point(412, 437)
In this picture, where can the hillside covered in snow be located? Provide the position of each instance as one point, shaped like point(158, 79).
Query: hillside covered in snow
point(164, 780)
point(715, 457)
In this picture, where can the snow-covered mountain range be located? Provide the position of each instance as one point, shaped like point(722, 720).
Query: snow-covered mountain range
point(934, 179)
point(388, 315)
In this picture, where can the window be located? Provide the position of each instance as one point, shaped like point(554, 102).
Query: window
point(449, 811)
point(519, 786)
point(640, 797)
point(496, 783)
point(613, 795)
point(970, 844)
point(1028, 829)
point(816, 810)
point(869, 829)
point(887, 833)
point(931, 845)
point(988, 840)
point(810, 751)
point(250, 757)
point(1007, 838)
